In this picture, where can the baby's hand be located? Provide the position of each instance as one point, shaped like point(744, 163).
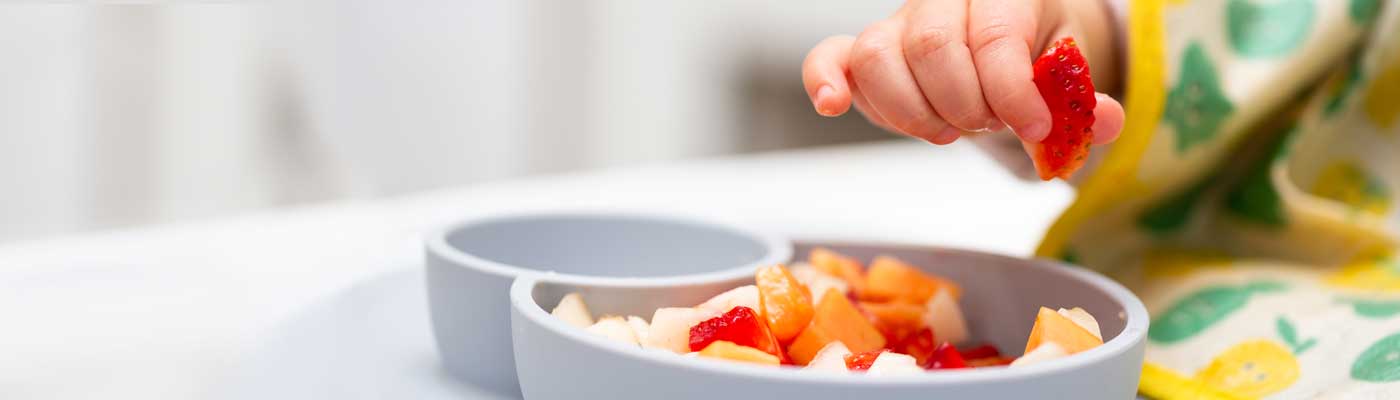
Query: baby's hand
point(938, 68)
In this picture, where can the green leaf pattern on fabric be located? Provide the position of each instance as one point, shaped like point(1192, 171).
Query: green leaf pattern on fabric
point(1197, 106)
point(1290, 336)
point(1196, 312)
point(1380, 362)
point(1267, 29)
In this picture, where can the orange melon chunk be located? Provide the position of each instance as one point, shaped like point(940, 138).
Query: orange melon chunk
point(838, 265)
point(895, 320)
point(783, 301)
point(731, 351)
point(835, 319)
point(892, 279)
point(1051, 326)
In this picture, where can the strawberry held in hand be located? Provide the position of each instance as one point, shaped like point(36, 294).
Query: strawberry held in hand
point(1062, 76)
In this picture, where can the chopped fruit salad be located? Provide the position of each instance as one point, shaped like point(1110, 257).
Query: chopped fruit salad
point(833, 314)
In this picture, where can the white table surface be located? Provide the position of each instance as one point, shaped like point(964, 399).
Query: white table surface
point(173, 311)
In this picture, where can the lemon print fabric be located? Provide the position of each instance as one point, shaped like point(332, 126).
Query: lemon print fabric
point(1382, 103)
point(1268, 28)
point(1349, 184)
point(1173, 212)
point(1373, 309)
point(1197, 106)
point(1202, 309)
point(1251, 369)
point(1177, 262)
point(1341, 86)
point(1380, 362)
point(1369, 272)
point(1363, 11)
point(1254, 198)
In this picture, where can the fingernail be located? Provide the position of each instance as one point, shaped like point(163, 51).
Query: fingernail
point(1034, 132)
point(822, 94)
point(993, 125)
point(946, 136)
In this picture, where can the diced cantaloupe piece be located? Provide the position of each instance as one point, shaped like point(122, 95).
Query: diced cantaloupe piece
point(783, 301)
point(730, 351)
point(892, 279)
point(838, 265)
point(895, 319)
point(1052, 327)
point(835, 318)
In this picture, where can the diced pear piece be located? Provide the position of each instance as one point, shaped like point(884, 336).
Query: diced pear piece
point(1045, 352)
point(817, 281)
point(640, 327)
point(614, 328)
point(894, 364)
point(831, 358)
point(945, 317)
point(572, 310)
point(1083, 319)
point(746, 296)
point(670, 328)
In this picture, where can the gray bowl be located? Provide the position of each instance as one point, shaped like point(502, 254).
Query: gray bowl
point(1000, 300)
point(471, 265)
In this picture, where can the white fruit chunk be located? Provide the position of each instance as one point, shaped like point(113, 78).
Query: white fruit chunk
point(572, 310)
point(1045, 352)
point(894, 364)
point(746, 296)
point(614, 328)
point(945, 317)
point(1083, 319)
point(818, 282)
point(670, 328)
point(640, 328)
point(831, 358)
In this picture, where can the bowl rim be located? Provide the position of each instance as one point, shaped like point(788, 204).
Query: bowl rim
point(1134, 333)
point(778, 249)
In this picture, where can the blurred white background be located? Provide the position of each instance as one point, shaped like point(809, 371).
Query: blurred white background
point(131, 114)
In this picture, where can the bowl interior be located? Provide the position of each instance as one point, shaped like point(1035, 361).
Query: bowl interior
point(609, 245)
point(1001, 295)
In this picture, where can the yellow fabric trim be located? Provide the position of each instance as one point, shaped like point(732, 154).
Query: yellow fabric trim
point(1163, 384)
point(1146, 97)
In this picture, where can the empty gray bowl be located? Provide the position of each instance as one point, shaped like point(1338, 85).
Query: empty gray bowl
point(471, 265)
point(1001, 296)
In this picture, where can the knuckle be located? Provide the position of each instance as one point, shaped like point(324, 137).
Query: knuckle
point(929, 40)
point(872, 45)
point(993, 35)
point(868, 52)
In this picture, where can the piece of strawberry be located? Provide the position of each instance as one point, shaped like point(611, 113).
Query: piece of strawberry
point(919, 345)
point(862, 361)
point(983, 351)
point(740, 326)
point(946, 357)
point(1062, 76)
